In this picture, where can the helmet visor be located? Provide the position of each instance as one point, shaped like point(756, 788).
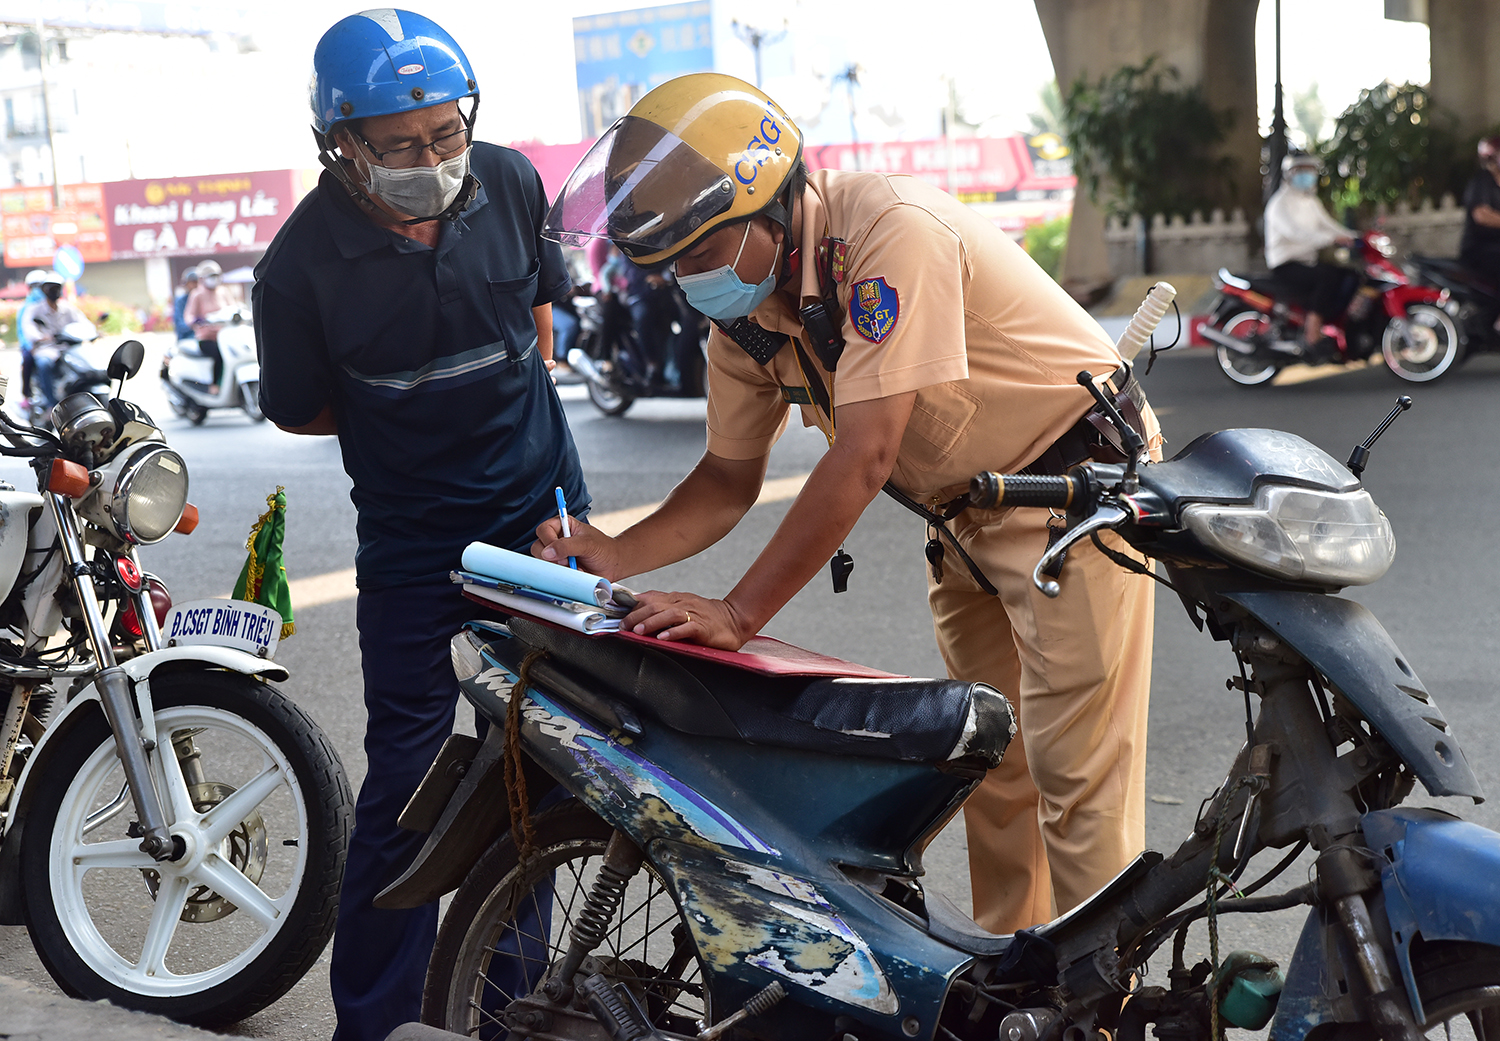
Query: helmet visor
point(641, 186)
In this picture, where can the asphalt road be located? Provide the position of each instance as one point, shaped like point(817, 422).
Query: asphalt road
point(1435, 473)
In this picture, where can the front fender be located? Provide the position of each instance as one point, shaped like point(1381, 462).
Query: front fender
point(1441, 879)
point(1347, 644)
point(86, 700)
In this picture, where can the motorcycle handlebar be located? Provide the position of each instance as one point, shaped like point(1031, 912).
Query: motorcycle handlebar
point(991, 490)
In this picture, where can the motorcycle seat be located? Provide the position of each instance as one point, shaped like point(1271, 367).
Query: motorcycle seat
point(932, 721)
point(1456, 270)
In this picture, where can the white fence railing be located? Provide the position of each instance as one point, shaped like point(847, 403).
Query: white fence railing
point(1205, 245)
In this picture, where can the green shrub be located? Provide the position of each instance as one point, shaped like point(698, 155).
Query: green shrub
point(1142, 144)
point(1392, 145)
point(1047, 243)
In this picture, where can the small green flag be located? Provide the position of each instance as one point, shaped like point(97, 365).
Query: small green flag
point(263, 578)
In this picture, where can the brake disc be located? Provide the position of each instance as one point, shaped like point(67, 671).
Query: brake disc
point(244, 847)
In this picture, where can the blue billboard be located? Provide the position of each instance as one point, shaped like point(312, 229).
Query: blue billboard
point(620, 56)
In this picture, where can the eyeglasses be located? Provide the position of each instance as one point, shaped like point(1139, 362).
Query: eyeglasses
point(403, 158)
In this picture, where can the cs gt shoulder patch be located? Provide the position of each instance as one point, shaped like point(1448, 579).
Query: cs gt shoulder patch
point(874, 308)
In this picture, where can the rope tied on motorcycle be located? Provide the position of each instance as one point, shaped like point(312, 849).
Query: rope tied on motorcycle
point(521, 831)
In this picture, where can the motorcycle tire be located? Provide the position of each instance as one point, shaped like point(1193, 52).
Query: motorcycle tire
point(1245, 370)
point(1432, 349)
point(1460, 988)
point(647, 947)
point(196, 414)
point(609, 399)
point(110, 923)
point(250, 402)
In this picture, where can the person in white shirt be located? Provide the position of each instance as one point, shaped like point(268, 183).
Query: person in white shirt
point(1297, 226)
point(45, 320)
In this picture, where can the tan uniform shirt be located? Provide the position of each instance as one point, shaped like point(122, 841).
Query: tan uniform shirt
point(934, 299)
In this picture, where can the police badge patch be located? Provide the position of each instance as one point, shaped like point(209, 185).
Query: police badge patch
point(873, 308)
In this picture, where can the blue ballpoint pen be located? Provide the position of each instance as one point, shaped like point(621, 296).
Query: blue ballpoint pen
point(562, 515)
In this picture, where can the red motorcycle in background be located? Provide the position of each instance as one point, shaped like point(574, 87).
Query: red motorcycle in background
point(1256, 325)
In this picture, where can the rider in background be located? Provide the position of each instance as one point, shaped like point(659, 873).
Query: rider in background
point(45, 319)
point(1297, 226)
point(209, 298)
point(180, 302)
point(24, 334)
point(1479, 248)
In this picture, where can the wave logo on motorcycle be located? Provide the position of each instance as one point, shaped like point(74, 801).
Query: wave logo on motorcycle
point(172, 826)
point(1256, 325)
point(602, 909)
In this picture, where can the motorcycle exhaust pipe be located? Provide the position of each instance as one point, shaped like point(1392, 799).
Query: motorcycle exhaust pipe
point(582, 364)
point(1222, 338)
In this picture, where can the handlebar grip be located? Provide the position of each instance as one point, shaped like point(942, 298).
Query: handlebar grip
point(991, 490)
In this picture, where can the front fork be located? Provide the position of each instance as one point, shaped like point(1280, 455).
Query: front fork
point(115, 692)
point(1292, 725)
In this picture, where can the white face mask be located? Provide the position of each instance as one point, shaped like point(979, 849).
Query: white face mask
point(421, 191)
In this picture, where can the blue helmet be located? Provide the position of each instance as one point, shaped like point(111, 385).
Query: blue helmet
point(379, 62)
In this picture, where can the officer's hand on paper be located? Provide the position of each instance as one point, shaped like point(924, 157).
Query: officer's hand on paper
point(593, 550)
point(687, 616)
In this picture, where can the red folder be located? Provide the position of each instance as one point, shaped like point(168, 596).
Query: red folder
point(763, 655)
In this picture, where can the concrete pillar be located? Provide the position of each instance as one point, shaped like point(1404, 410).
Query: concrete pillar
point(1212, 44)
point(1465, 38)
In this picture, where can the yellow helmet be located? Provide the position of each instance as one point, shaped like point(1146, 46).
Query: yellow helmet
point(695, 154)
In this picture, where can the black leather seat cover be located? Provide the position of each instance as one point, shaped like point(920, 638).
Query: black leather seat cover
point(914, 720)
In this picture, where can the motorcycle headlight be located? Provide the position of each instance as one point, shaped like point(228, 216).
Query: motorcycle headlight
point(140, 495)
point(1300, 534)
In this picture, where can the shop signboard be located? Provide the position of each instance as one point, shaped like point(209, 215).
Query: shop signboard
point(34, 228)
point(199, 216)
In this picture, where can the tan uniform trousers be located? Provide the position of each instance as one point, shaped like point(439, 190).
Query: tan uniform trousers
point(1065, 810)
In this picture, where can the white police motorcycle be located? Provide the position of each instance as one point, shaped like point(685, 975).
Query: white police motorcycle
point(187, 374)
point(172, 826)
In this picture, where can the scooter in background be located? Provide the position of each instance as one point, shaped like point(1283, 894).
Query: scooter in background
point(187, 374)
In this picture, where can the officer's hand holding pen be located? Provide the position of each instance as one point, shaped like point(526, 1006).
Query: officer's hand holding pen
point(593, 550)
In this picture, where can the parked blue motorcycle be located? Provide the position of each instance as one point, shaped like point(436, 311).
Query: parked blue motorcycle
point(739, 852)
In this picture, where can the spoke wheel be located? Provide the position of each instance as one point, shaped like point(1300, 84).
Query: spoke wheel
point(1430, 347)
point(262, 809)
point(504, 931)
point(1248, 370)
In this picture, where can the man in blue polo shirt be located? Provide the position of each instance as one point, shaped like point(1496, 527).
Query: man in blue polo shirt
point(406, 308)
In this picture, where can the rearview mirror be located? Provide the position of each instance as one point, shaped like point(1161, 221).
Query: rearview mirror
point(126, 361)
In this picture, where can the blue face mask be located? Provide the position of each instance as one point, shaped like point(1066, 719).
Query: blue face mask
point(1305, 180)
point(721, 293)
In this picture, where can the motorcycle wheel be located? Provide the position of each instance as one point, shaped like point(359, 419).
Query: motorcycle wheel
point(226, 930)
point(196, 414)
point(647, 947)
point(1435, 346)
point(1247, 371)
point(175, 399)
point(250, 402)
point(1460, 988)
point(608, 398)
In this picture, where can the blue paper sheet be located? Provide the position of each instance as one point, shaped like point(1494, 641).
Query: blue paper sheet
point(520, 569)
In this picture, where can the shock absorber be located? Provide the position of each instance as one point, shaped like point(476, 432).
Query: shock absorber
point(622, 859)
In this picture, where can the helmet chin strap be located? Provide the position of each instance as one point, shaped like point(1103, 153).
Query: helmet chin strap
point(780, 211)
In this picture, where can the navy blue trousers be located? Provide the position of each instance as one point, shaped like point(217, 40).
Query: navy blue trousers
point(379, 956)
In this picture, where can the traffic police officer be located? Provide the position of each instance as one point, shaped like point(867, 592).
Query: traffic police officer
point(406, 308)
point(960, 355)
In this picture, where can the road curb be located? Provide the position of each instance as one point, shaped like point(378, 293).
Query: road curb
point(29, 1013)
